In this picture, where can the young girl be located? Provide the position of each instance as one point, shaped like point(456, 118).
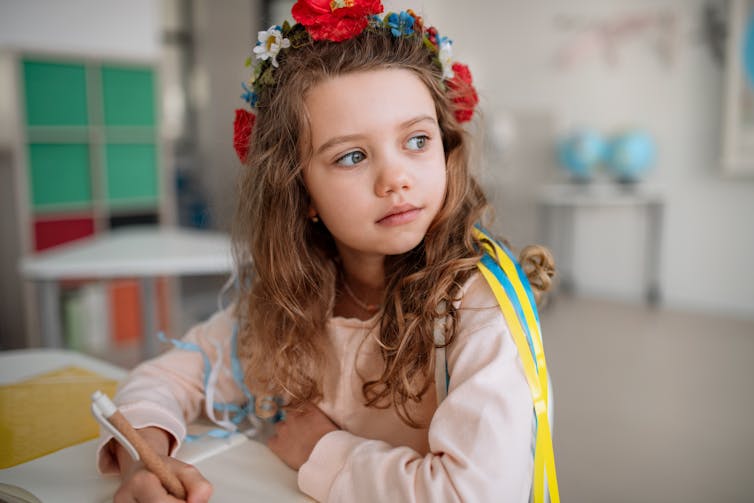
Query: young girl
point(359, 291)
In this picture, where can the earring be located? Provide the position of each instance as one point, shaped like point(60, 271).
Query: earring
point(314, 219)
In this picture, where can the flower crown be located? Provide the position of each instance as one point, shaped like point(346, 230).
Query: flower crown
point(336, 21)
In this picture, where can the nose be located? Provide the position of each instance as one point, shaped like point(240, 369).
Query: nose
point(393, 176)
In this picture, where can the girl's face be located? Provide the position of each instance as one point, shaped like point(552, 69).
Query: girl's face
point(377, 175)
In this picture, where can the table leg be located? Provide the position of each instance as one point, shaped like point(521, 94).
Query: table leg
point(150, 344)
point(49, 302)
point(653, 249)
point(567, 249)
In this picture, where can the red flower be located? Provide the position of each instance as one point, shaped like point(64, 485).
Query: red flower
point(335, 20)
point(462, 93)
point(242, 127)
point(432, 36)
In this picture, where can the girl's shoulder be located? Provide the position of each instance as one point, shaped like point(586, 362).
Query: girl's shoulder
point(219, 326)
point(476, 294)
point(477, 306)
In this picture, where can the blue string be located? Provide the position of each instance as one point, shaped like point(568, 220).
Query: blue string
point(239, 412)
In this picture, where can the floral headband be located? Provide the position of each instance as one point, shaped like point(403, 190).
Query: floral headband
point(336, 21)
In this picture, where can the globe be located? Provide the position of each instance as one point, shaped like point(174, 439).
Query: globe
point(580, 152)
point(630, 155)
point(748, 53)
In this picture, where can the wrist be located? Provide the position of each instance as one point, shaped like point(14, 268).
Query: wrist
point(157, 438)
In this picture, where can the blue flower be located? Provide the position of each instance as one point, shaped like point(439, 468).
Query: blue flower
point(249, 96)
point(400, 24)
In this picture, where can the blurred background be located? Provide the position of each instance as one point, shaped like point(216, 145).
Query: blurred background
point(619, 133)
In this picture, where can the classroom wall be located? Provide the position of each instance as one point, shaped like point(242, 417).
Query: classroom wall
point(82, 26)
point(511, 47)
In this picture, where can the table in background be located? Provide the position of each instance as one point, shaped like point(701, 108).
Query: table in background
point(559, 203)
point(133, 252)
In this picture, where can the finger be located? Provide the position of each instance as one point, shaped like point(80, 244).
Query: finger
point(123, 495)
point(144, 486)
point(162, 498)
point(197, 487)
point(160, 495)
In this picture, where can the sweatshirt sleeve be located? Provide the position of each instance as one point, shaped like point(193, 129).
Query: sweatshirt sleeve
point(480, 436)
point(168, 391)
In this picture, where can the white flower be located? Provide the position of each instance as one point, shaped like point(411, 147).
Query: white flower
point(445, 56)
point(270, 43)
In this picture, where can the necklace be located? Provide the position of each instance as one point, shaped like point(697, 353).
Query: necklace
point(370, 308)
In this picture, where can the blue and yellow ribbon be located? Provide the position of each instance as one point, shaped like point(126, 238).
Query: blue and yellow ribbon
point(513, 294)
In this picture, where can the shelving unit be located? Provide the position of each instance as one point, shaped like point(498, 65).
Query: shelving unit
point(91, 141)
point(89, 160)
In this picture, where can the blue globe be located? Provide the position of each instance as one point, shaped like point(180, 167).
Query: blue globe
point(748, 53)
point(580, 152)
point(631, 155)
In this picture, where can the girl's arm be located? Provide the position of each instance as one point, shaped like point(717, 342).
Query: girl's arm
point(167, 392)
point(480, 437)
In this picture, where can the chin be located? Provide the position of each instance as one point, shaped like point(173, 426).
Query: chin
point(401, 245)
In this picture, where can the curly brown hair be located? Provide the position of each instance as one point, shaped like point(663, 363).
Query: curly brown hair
point(286, 297)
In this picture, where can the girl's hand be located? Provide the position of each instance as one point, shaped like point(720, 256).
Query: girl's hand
point(139, 484)
point(295, 438)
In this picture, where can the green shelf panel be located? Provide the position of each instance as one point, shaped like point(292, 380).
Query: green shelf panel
point(59, 174)
point(128, 96)
point(55, 93)
point(131, 172)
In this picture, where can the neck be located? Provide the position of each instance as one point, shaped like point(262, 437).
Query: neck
point(365, 277)
point(364, 273)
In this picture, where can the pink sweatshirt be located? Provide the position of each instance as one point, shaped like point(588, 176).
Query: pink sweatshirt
point(477, 447)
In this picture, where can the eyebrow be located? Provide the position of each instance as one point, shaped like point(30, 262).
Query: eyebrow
point(350, 137)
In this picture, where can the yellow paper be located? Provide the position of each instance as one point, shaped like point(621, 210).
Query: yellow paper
point(48, 412)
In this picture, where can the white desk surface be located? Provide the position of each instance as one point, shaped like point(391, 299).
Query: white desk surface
point(134, 252)
point(238, 468)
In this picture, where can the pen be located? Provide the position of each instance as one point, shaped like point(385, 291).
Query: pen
point(105, 411)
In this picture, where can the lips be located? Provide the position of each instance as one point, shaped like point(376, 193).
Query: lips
point(400, 214)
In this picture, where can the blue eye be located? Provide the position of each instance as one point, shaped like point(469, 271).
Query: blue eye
point(417, 142)
point(351, 158)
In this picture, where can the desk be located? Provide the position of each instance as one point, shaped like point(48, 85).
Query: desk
point(560, 202)
point(238, 468)
point(140, 252)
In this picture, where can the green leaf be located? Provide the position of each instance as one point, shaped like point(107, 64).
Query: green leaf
point(299, 38)
point(430, 46)
point(247, 63)
point(266, 78)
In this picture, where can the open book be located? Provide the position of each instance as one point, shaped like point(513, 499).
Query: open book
point(239, 469)
point(41, 415)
